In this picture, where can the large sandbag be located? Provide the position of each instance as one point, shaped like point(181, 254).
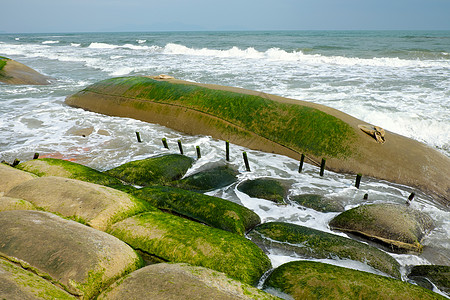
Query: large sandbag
point(17, 283)
point(181, 281)
point(314, 280)
point(92, 204)
point(10, 177)
point(398, 226)
point(271, 124)
point(81, 259)
point(180, 240)
point(7, 203)
point(13, 72)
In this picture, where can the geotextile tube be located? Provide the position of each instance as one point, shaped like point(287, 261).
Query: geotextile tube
point(271, 124)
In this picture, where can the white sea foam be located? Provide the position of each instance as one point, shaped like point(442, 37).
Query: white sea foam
point(50, 42)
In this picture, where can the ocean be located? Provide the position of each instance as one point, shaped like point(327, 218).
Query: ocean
point(399, 80)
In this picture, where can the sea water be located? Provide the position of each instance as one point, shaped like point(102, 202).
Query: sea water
point(399, 80)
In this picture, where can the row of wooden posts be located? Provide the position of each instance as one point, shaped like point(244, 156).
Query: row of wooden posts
point(244, 154)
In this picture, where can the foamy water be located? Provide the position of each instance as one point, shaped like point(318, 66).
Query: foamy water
point(402, 86)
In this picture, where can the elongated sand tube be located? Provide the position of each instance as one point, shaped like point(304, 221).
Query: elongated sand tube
point(271, 124)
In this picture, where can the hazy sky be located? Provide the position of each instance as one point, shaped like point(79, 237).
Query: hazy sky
point(150, 15)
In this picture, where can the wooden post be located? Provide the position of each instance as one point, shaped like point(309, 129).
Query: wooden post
point(227, 150)
point(302, 159)
point(366, 196)
point(358, 180)
point(247, 166)
point(411, 196)
point(180, 147)
point(15, 162)
point(138, 136)
point(322, 166)
point(198, 152)
point(36, 156)
point(164, 141)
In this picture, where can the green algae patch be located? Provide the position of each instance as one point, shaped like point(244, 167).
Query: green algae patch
point(181, 281)
point(312, 243)
point(213, 211)
point(439, 275)
point(176, 239)
point(3, 62)
point(265, 188)
point(399, 227)
point(153, 170)
point(318, 202)
point(293, 126)
point(95, 205)
point(18, 284)
point(68, 169)
point(314, 280)
point(76, 257)
point(7, 203)
point(208, 180)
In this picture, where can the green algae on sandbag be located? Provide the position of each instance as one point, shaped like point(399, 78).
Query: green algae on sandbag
point(314, 280)
point(7, 203)
point(312, 243)
point(64, 168)
point(207, 180)
point(76, 257)
point(399, 227)
point(177, 239)
point(13, 72)
point(95, 205)
point(153, 170)
point(19, 284)
point(213, 211)
point(10, 177)
point(318, 202)
point(265, 188)
point(438, 275)
point(181, 281)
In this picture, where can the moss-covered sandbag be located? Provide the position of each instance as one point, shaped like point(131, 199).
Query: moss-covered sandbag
point(19, 284)
point(153, 170)
point(271, 124)
point(314, 280)
point(208, 180)
point(312, 243)
point(8, 203)
point(68, 169)
point(81, 259)
point(265, 188)
point(181, 281)
point(399, 227)
point(92, 204)
point(213, 211)
point(438, 275)
point(318, 202)
point(10, 177)
point(13, 72)
point(180, 240)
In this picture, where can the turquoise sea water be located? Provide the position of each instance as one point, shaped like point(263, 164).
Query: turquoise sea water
point(399, 80)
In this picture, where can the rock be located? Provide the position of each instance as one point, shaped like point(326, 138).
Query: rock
point(438, 275)
point(67, 169)
point(176, 239)
point(318, 202)
point(80, 131)
point(19, 284)
point(265, 188)
point(314, 280)
point(398, 226)
point(271, 124)
point(10, 177)
point(312, 243)
point(13, 72)
point(154, 170)
point(81, 259)
point(180, 281)
point(213, 211)
point(208, 180)
point(7, 203)
point(92, 204)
